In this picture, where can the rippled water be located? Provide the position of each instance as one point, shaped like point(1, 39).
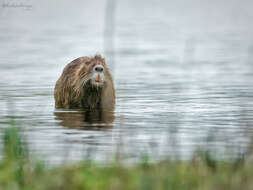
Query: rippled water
point(182, 84)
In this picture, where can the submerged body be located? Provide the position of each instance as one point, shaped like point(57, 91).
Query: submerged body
point(85, 83)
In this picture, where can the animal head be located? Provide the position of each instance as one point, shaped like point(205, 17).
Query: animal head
point(95, 71)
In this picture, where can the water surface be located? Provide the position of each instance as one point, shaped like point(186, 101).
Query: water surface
point(182, 83)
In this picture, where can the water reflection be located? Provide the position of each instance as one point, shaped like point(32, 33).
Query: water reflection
point(85, 120)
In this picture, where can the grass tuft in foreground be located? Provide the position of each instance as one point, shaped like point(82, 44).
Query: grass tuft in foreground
point(19, 171)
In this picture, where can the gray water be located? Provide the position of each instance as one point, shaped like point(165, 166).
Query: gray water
point(182, 70)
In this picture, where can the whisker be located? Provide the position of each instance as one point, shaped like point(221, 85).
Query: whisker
point(81, 83)
point(85, 80)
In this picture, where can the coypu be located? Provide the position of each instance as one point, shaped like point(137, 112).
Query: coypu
point(85, 83)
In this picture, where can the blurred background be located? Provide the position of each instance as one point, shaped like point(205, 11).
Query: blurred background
point(183, 73)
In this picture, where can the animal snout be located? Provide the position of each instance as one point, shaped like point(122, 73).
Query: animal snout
point(99, 68)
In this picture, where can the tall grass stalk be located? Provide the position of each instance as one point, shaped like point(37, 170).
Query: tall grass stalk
point(18, 170)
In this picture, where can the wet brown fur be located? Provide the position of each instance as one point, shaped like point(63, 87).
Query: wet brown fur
point(74, 90)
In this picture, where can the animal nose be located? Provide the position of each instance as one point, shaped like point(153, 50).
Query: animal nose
point(99, 68)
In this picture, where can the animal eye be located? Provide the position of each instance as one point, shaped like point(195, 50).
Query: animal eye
point(88, 62)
